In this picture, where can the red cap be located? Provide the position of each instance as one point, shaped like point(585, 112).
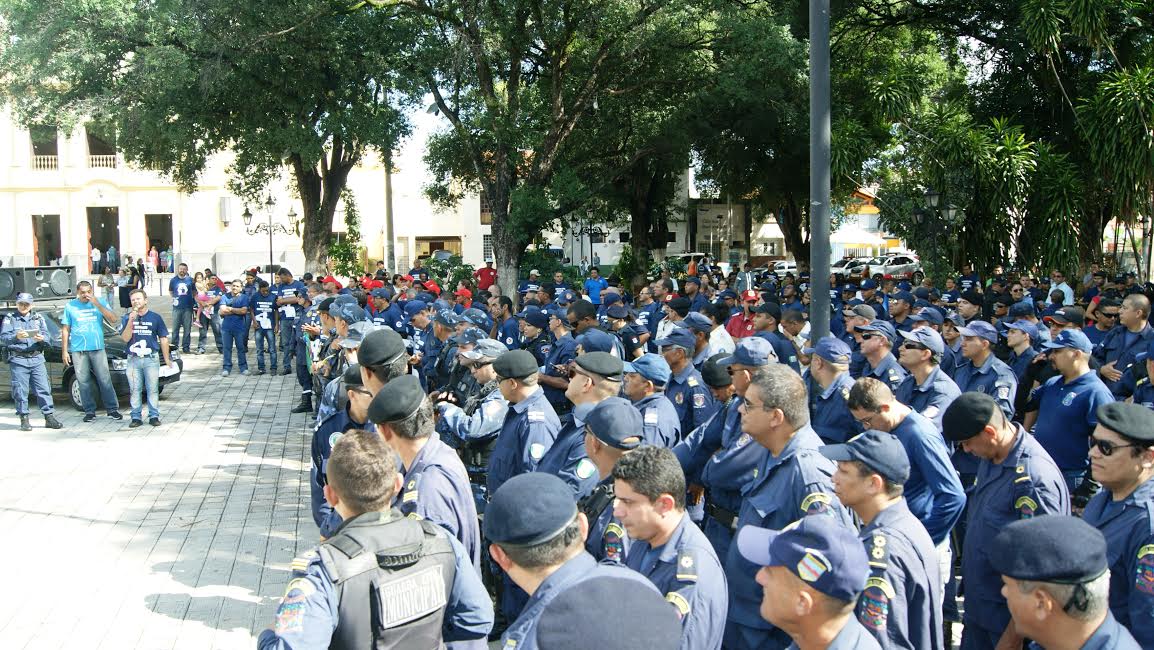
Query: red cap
point(463, 293)
point(407, 278)
point(749, 294)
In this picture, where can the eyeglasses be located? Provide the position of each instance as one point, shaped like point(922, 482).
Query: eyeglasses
point(867, 336)
point(910, 345)
point(1105, 447)
point(478, 366)
point(1108, 314)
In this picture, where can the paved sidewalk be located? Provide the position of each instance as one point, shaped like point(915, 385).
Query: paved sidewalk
point(178, 536)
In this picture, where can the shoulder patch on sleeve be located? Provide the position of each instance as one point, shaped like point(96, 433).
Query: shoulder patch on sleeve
point(650, 416)
point(679, 603)
point(691, 382)
point(698, 400)
point(290, 615)
point(585, 468)
point(613, 541)
point(535, 416)
point(874, 603)
point(1144, 570)
point(686, 567)
point(536, 451)
point(1025, 507)
point(817, 502)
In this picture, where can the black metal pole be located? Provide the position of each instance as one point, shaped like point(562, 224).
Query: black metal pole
point(819, 167)
point(271, 274)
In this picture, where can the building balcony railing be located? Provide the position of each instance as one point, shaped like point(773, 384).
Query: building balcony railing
point(102, 162)
point(45, 162)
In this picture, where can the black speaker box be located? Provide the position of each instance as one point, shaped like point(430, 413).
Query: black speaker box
point(42, 282)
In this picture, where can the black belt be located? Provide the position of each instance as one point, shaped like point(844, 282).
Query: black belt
point(727, 518)
point(26, 355)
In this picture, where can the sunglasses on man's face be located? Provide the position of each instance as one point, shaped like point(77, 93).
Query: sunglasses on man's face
point(910, 345)
point(1105, 447)
point(869, 335)
point(1108, 314)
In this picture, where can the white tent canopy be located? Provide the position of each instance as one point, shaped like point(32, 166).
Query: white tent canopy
point(856, 235)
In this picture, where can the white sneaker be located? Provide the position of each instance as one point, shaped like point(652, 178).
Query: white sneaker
point(245, 373)
point(223, 373)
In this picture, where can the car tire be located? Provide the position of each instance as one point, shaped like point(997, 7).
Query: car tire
point(918, 277)
point(72, 387)
point(878, 277)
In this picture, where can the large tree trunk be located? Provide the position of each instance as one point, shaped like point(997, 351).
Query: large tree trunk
point(320, 190)
point(792, 222)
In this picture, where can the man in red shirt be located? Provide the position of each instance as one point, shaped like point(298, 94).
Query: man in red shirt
point(741, 325)
point(486, 276)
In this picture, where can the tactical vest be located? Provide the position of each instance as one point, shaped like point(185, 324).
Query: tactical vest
point(393, 577)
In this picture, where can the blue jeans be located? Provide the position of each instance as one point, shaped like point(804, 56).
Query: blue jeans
point(231, 339)
point(144, 374)
point(265, 341)
point(89, 364)
point(182, 324)
point(30, 374)
point(207, 322)
point(288, 345)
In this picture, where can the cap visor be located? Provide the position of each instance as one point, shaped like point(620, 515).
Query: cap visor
point(909, 336)
point(808, 351)
point(663, 342)
point(1053, 345)
point(727, 361)
point(629, 367)
point(836, 452)
point(753, 544)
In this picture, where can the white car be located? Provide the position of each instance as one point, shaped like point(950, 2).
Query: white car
point(784, 267)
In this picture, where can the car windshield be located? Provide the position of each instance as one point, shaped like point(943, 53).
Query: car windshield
point(842, 262)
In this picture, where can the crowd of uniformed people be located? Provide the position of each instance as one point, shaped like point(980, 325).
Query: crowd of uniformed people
point(687, 467)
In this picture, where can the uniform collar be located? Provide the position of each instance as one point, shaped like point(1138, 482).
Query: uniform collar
point(533, 398)
point(887, 362)
point(425, 455)
point(985, 367)
point(683, 376)
point(889, 517)
point(838, 383)
point(648, 399)
point(934, 377)
point(804, 438)
point(1080, 380)
point(1014, 458)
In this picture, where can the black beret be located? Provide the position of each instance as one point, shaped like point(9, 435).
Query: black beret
point(529, 509)
point(380, 347)
point(614, 421)
point(967, 415)
point(609, 612)
point(1131, 420)
point(325, 304)
point(714, 374)
point(397, 400)
point(603, 364)
point(517, 364)
point(679, 304)
point(352, 375)
point(1051, 548)
point(972, 297)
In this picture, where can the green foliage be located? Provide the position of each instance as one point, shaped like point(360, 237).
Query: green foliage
point(539, 257)
point(448, 272)
point(345, 255)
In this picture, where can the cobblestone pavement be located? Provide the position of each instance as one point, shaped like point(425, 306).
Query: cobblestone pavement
point(178, 536)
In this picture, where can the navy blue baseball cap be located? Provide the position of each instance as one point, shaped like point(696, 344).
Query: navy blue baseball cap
point(692, 279)
point(881, 327)
point(751, 351)
point(1070, 339)
point(880, 451)
point(904, 285)
point(530, 509)
point(866, 285)
point(535, 317)
point(1052, 548)
point(980, 329)
point(698, 322)
point(929, 315)
point(955, 318)
point(565, 297)
point(652, 367)
point(1020, 309)
point(611, 298)
point(905, 296)
point(678, 336)
point(849, 288)
point(926, 337)
point(413, 307)
point(831, 349)
point(617, 311)
point(595, 340)
point(728, 294)
point(381, 293)
point(1024, 326)
point(820, 551)
point(615, 422)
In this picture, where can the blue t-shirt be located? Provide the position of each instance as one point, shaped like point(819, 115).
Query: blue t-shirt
point(86, 326)
point(294, 288)
point(235, 322)
point(182, 291)
point(147, 330)
point(594, 288)
point(1067, 415)
point(264, 308)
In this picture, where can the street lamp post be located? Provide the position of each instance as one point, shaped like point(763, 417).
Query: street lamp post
point(935, 217)
point(270, 228)
point(589, 230)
